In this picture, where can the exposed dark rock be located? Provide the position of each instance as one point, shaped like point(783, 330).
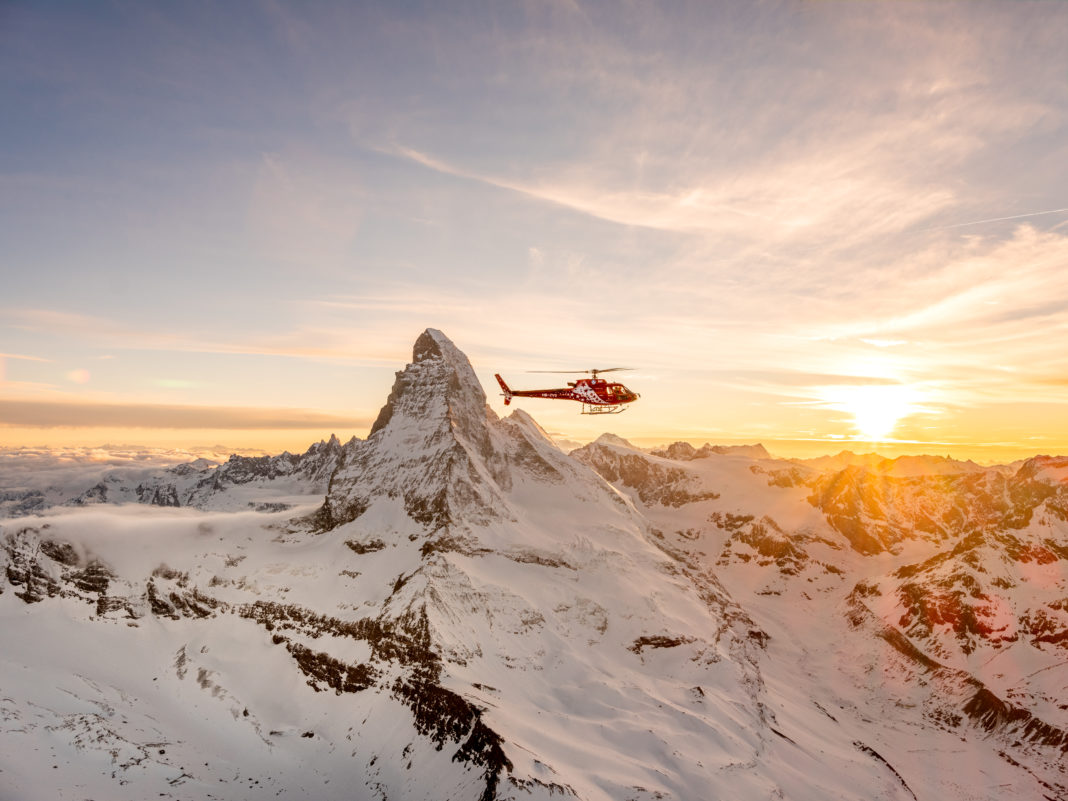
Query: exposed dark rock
point(33, 581)
point(728, 521)
point(877, 756)
point(95, 494)
point(321, 667)
point(182, 601)
point(94, 578)
point(62, 552)
point(165, 572)
point(159, 495)
point(365, 547)
point(195, 483)
point(992, 714)
point(444, 716)
point(449, 543)
point(33, 584)
point(194, 603)
point(105, 605)
point(1042, 626)
point(764, 541)
point(785, 477)
point(658, 641)
point(927, 607)
point(530, 557)
point(964, 590)
point(271, 507)
point(159, 605)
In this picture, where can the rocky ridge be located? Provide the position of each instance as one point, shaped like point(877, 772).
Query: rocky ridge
point(200, 484)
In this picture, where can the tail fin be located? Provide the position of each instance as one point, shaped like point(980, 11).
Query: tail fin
point(504, 386)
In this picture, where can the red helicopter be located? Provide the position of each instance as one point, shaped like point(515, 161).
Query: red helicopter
point(596, 395)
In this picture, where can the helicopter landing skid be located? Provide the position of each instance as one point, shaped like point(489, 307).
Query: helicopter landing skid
point(589, 408)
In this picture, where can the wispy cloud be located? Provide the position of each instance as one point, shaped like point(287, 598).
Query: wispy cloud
point(23, 357)
point(783, 202)
point(306, 342)
point(1002, 219)
point(836, 162)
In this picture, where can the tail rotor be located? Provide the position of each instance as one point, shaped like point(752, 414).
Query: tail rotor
point(507, 392)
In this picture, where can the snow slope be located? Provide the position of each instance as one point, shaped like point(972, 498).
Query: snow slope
point(984, 692)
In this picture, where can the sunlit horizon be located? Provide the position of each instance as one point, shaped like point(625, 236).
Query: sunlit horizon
point(819, 226)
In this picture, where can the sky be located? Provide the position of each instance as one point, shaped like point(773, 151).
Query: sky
point(816, 225)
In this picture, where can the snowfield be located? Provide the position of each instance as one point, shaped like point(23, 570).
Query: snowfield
point(454, 608)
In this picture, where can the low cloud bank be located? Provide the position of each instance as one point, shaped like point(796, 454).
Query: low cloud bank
point(76, 414)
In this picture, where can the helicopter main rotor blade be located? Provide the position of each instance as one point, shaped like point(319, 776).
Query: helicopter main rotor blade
point(605, 370)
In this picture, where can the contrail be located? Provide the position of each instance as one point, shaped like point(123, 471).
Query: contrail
point(997, 219)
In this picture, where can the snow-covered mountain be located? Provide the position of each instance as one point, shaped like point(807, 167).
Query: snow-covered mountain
point(454, 608)
point(933, 603)
point(900, 467)
point(268, 483)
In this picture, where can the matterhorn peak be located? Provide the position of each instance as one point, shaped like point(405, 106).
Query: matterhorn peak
point(430, 445)
point(439, 383)
point(433, 344)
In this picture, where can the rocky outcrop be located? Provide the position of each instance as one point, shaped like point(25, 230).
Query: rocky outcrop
point(876, 512)
point(39, 567)
point(653, 481)
point(685, 452)
point(311, 470)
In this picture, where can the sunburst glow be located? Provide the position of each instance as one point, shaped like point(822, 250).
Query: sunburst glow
point(876, 410)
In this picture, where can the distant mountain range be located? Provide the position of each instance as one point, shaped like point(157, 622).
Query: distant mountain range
point(455, 608)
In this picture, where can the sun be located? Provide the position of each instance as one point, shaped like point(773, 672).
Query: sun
point(876, 410)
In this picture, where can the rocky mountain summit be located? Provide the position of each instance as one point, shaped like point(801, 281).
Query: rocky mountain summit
point(454, 608)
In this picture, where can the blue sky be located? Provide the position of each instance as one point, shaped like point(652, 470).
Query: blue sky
point(783, 213)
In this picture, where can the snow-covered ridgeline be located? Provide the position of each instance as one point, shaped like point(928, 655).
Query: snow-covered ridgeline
point(455, 608)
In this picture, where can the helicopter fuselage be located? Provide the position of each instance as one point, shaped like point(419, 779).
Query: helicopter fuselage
point(595, 394)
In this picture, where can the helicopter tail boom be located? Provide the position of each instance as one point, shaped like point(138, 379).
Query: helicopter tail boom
point(504, 386)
